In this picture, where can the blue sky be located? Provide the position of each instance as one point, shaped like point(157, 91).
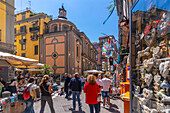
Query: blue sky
point(87, 15)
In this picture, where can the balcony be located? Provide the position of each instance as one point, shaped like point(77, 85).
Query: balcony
point(34, 29)
point(22, 41)
point(34, 37)
point(9, 48)
point(19, 32)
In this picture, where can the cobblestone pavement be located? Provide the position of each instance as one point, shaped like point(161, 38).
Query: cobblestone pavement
point(62, 105)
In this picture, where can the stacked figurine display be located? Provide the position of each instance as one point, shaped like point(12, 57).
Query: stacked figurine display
point(154, 76)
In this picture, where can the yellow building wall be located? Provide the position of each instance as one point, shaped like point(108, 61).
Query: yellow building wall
point(3, 22)
point(29, 51)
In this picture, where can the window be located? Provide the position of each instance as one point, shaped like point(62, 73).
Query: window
point(65, 27)
point(23, 29)
point(15, 47)
point(23, 54)
point(55, 28)
point(103, 41)
point(23, 16)
point(15, 30)
point(23, 37)
point(15, 18)
point(78, 50)
point(36, 50)
point(23, 46)
point(15, 39)
point(0, 34)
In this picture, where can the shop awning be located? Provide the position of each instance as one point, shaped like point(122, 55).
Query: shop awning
point(36, 70)
point(93, 71)
point(38, 65)
point(17, 60)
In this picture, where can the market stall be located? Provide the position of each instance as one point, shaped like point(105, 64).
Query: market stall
point(150, 56)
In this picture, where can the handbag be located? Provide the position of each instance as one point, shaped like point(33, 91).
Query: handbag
point(99, 97)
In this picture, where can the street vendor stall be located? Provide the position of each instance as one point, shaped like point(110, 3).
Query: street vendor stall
point(150, 56)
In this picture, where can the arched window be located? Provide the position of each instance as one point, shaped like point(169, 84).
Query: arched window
point(54, 28)
point(65, 27)
point(77, 48)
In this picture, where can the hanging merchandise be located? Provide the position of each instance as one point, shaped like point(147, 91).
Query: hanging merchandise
point(152, 65)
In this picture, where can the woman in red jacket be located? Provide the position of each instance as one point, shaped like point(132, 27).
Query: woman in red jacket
point(91, 89)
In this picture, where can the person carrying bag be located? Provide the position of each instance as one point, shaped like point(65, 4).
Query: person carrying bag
point(45, 89)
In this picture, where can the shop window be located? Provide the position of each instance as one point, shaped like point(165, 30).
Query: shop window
point(36, 50)
point(23, 46)
point(150, 20)
point(23, 54)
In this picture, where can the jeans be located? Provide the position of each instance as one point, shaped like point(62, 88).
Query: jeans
point(74, 98)
point(82, 84)
point(29, 106)
point(50, 103)
point(96, 106)
point(66, 91)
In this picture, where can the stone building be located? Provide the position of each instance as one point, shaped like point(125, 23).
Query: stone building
point(6, 36)
point(7, 26)
point(66, 49)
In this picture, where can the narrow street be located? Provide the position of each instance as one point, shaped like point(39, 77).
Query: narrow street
point(62, 105)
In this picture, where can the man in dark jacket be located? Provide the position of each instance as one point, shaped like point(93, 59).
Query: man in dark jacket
point(66, 84)
point(75, 86)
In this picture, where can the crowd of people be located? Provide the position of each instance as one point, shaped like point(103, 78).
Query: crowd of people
point(94, 86)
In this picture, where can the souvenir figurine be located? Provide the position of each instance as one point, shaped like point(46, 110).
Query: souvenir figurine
point(148, 79)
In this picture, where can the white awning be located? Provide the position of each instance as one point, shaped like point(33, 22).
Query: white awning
point(34, 69)
point(17, 60)
point(93, 71)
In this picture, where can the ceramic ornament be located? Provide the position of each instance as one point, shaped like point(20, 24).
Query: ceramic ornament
point(146, 109)
point(157, 78)
point(161, 67)
point(166, 69)
point(147, 93)
point(153, 111)
point(160, 107)
point(150, 37)
point(165, 84)
point(142, 101)
point(148, 79)
point(137, 90)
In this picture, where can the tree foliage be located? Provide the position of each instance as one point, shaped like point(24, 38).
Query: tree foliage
point(46, 70)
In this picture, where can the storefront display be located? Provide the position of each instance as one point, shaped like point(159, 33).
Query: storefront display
point(150, 56)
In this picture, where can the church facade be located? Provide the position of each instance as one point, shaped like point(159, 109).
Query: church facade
point(65, 48)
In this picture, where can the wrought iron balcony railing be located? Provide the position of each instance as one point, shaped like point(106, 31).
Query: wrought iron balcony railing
point(34, 29)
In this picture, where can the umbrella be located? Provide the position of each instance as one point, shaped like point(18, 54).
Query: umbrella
point(93, 71)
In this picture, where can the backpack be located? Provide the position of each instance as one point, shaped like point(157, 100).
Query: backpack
point(26, 93)
point(23, 93)
point(20, 94)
